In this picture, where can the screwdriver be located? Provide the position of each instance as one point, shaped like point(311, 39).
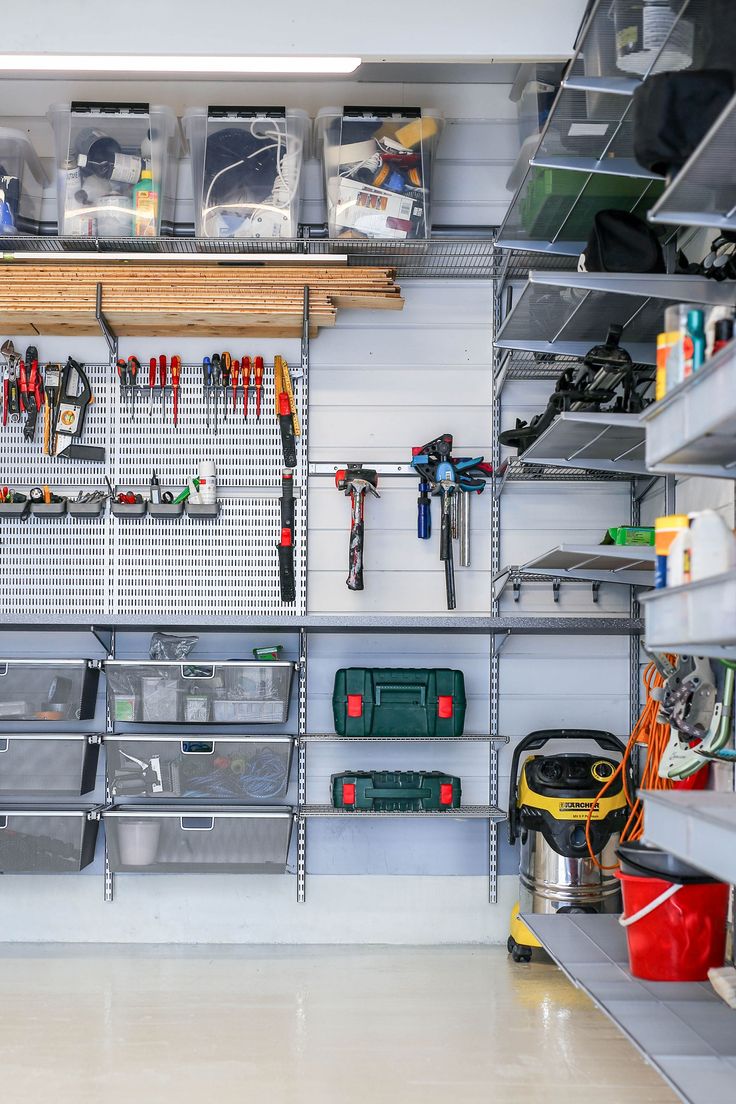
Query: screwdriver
point(226, 360)
point(124, 377)
point(246, 385)
point(175, 373)
point(133, 366)
point(162, 384)
point(217, 382)
point(236, 374)
point(207, 386)
point(151, 384)
point(258, 372)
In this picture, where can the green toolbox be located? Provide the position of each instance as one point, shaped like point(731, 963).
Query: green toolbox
point(399, 701)
point(563, 203)
point(395, 791)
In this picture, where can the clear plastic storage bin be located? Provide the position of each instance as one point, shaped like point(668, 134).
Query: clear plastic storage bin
point(211, 839)
point(48, 689)
point(22, 180)
point(115, 169)
point(247, 170)
point(228, 768)
point(377, 164)
point(232, 692)
point(48, 839)
point(63, 763)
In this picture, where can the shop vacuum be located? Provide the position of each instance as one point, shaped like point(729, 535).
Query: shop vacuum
point(549, 802)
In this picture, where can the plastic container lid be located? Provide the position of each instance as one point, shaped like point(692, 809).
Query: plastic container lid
point(291, 114)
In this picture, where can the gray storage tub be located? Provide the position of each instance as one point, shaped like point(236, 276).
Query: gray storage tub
point(63, 763)
point(227, 768)
point(48, 839)
point(206, 839)
point(48, 689)
point(231, 692)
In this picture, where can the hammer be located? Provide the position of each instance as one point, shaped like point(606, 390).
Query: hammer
point(355, 481)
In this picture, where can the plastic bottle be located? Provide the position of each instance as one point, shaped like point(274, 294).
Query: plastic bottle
point(207, 482)
point(678, 559)
point(723, 334)
point(145, 206)
point(100, 155)
point(713, 546)
point(696, 344)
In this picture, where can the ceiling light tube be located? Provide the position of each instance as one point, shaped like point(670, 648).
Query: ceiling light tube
point(213, 64)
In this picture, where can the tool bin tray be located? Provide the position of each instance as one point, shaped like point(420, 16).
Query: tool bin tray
point(54, 764)
point(230, 692)
point(47, 839)
point(225, 768)
point(48, 689)
point(205, 839)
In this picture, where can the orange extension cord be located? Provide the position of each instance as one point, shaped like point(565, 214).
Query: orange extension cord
point(646, 731)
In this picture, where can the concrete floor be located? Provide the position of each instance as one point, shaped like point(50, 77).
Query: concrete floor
point(307, 1025)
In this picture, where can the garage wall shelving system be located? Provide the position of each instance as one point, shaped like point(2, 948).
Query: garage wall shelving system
point(684, 1031)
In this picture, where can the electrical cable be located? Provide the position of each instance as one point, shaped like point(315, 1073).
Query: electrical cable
point(655, 735)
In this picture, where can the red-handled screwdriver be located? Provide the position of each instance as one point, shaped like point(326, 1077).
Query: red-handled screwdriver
point(258, 372)
point(175, 374)
point(151, 384)
point(235, 377)
point(162, 384)
point(246, 385)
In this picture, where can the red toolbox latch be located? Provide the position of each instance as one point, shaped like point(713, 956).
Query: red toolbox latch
point(445, 793)
point(348, 793)
point(355, 705)
point(444, 705)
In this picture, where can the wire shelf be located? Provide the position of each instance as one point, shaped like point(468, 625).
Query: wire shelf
point(521, 471)
point(453, 257)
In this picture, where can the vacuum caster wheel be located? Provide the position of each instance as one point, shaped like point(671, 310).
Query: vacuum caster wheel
point(518, 951)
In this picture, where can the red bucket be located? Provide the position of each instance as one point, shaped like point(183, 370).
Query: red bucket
point(675, 932)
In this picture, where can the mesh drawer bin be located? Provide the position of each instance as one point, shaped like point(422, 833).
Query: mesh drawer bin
point(209, 839)
point(48, 690)
point(247, 170)
point(48, 839)
point(115, 170)
point(377, 164)
point(199, 693)
point(58, 764)
point(229, 768)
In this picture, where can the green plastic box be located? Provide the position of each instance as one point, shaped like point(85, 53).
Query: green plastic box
point(395, 791)
point(399, 701)
point(561, 203)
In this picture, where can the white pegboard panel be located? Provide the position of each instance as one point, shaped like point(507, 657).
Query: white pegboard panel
point(245, 453)
point(193, 566)
point(53, 565)
point(24, 462)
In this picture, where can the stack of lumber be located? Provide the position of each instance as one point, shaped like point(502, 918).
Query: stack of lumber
point(169, 300)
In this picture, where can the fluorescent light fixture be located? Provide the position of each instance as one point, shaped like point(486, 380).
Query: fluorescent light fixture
point(161, 63)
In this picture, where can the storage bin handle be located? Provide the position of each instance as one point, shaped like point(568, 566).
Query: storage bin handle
point(626, 921)
point(199, 670)
point(197, 823)
point(389, 690)
point(4, 744)
point(198, 747)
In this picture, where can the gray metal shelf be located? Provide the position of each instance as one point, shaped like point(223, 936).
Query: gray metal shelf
point(695, 619)
point(590, 563)
point(698, 827)
point(334, 738)
point(683, 1029)
point(346, 623)
point(515, 470)
point(612, 443)
point(467, 812)
point(692, 430)
point(703, 192)
point(453, 256)
point(567, 312)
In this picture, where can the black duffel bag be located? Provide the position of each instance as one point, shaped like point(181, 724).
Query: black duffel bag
point(672, 113)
